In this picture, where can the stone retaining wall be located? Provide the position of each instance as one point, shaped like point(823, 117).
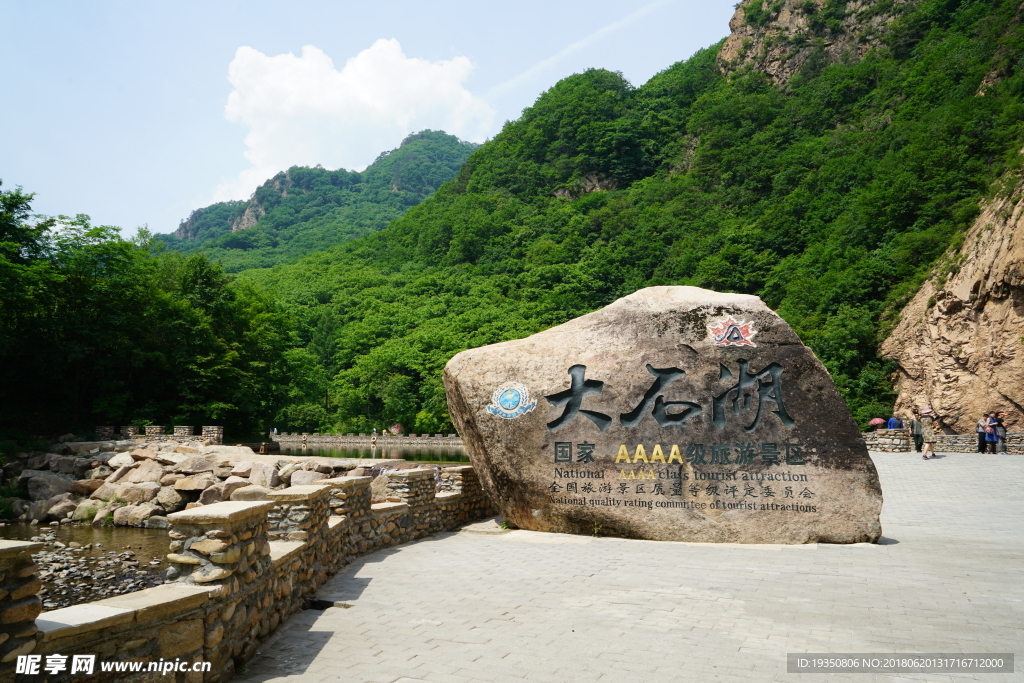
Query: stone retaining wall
point(20, 604)
point(888, 440)
point(183, 434)
point(899, 441)
point(238, 569)
point(383, 440)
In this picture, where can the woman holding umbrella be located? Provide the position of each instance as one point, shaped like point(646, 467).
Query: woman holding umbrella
point(875, 422)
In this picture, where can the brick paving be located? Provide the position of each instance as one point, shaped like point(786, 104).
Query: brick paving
point(525, 606)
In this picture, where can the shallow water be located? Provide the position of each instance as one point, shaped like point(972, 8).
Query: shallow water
point(449, 455)
point(111, 561)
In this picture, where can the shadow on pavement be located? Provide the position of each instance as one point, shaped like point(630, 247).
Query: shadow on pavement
point(346, 587)
point(291, 655)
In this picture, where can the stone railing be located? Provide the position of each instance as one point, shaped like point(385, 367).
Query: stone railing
point(899, 441)
point(385, 439)
point(888, 440)
point(20, 605)
point(238, 569)
point(212, 433)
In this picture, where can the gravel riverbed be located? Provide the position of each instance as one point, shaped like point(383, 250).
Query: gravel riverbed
point(74, 572)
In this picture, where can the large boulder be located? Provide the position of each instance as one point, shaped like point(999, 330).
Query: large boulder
point(85, 487)
point(121, 459)
point(104, 515)
point(196, 464)
point(122, 515)
point(285, 473)
point(379, 488)
point(242, 468)
point(170, 499)
point(170, 458)
point(232, 484)
point(303, 477)
point(142, 512)
point(231, 454)
point(142, 492)
point(62, 509)
point(264, 474)
point(251, 493)
point(120, 473)
point(43, 485)
point(144, 454)
point(55, 508)
point(214, 494)
point(86, 511)
point(199, 482)
point(146, 470)
point(36, 511)
point(100, 472)
point(675, 414)
point(113, 492)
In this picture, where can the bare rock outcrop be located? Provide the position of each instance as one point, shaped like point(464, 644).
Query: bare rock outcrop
point(960, 341)
point(250, 217)
point(780, 37)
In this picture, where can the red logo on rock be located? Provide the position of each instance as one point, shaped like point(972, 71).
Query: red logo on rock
point(732, 332)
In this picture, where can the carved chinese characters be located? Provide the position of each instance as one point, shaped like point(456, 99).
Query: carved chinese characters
point(661, 417)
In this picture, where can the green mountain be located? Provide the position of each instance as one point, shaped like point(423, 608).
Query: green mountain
point(303, 210)
point(824, 164)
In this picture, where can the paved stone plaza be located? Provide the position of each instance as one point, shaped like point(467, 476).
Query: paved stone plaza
point(530, 606)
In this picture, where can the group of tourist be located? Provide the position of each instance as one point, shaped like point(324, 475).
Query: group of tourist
point(923, 428)
point(991, 431)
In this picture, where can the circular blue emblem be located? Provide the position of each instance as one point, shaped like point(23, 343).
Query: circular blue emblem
point(511, 400)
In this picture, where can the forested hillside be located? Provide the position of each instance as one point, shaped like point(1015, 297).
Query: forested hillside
point(303, 210)
point(830, 187)
point(829, 194)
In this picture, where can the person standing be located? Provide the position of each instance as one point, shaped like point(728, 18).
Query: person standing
point(895, 422)
point(990, 433)
point(981, 429)
point(915, 430)
point(1001, 433)
point(928, 432)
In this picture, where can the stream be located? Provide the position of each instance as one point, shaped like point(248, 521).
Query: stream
point(82, 563)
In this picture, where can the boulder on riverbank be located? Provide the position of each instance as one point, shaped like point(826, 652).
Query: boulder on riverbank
point(674, 414)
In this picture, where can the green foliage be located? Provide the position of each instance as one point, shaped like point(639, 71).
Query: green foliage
point(830, 199)
point(112, 331)
point(757, 15)
point(303, 210)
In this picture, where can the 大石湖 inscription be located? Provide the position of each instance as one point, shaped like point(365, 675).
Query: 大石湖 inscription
point(660, 417)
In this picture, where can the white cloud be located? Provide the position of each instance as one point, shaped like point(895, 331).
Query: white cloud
point(303, 111)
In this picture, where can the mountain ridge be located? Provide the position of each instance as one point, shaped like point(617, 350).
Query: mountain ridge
point(303, 209)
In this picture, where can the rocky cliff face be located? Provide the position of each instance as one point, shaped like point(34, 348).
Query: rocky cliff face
point(960, 341)
point(254, 210)
point(779, 37)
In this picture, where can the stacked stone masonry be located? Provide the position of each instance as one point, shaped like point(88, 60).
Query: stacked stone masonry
point(888, 440)
point(20, 604)
point(386, 439)
point(214, 434)
point(899, 441)
point(238, 569)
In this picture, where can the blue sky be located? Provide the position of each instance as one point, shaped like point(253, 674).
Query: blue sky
point(139, 112)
